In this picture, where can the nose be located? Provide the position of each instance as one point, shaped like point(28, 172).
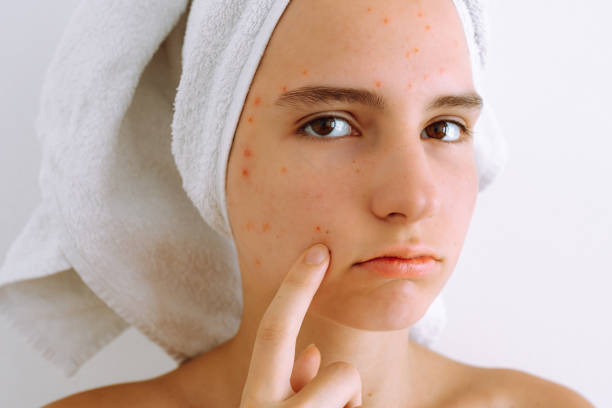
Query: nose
point(405, 183)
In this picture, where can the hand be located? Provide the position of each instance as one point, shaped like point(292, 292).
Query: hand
point(272, 376)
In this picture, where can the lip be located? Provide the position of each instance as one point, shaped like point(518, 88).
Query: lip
point(404, 252)
point(414, 268)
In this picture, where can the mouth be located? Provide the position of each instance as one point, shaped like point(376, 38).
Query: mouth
point(417, 267)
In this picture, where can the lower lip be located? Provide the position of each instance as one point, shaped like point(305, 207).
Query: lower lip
point(413, 268)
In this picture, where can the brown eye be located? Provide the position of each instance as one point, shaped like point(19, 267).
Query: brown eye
point(327, 127)
point(445, 128)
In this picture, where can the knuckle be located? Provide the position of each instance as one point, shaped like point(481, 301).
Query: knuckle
point(272, 332)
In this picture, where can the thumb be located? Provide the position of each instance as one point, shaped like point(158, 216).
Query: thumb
point(305, 368)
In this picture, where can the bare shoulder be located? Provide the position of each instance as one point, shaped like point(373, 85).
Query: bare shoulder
point(515, 388)
point(154, 393)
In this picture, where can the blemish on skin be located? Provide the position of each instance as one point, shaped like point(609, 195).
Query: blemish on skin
point(425, 77)
point(409, 86)
point(407, 54)
point(266, 227)
point(284, 170)
point(416, 50)
point(277, 236)
point(245, 172)
point(369, 394)
point(284, 88)
point(318, 228)
point(369, 9)
point(327, 231)
point(420, 14)
point(386, 20)
point(251, 120)
point(357, 171)
point(442, 70)
point(428, 27)
point(248, 152)
point(378, 84)
point(456, 43)
point(249, 226)
point(257, 261)
point(257, 101)
point(305, 72)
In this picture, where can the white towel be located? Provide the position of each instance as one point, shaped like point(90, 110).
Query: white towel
point(133, 227)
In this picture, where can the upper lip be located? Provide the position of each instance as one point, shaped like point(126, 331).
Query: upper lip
point(404, 252)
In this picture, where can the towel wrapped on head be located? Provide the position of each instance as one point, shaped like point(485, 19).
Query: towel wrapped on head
point(137, 117)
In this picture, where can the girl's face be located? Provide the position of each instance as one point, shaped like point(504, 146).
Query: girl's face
point(357, 174)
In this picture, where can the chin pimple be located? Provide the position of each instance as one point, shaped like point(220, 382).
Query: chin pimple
point(284, 170)
point(257, 262)
point(378, 84)
point(266, 226)
point(386, 20)
point(248, 152)
point(318, 228)
point(257, 101)
point(284, 88)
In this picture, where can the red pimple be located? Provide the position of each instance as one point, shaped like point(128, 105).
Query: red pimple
point(257, 101)
point(425, 76)
point(386, 20)
point(369, 9)
point(284, 88)
point(428, 27)
point(378, 84)
point(284, 170)
point(442, 70)
point(357, 171)
point(257, 261)
point(420, 14)
point(251, 120)
point(416, 50)
point(305, 72)
point(266, 227)
point(318, 228)
point(409, 86)
point(327, 231)
point(247, 152)
point(245, 172)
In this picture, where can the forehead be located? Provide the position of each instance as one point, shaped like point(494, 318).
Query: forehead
point(403, 40)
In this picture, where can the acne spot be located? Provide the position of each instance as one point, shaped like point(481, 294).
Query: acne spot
point(327, 231)
point(427, 27)
point(251, 120)
point(257, 261)
point(257, 101)
point(357, 171)
point(425, 77)
point(284, 88)
point(416, 50)
point(420, 14)
point(369, 394)
point(284, 170)
point(277, 236)
point(378, 84)
point(409, 86)
point(245, 173)
point(369, 9)
point(249, 226)
point(318, 228)
point(305, 72)
point(442, 70)
point(266, 226)
point(248, 152)
point(407, 54)
point(386, 20)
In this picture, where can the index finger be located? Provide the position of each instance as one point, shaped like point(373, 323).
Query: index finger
point(274, 349)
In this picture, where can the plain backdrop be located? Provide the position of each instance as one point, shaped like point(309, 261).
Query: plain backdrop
point(530, 290)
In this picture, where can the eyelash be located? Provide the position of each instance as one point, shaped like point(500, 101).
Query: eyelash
point(466, 133)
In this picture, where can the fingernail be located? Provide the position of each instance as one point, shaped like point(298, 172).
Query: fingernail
point(316, 255)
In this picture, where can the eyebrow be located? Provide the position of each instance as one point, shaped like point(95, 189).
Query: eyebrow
point(313, 95)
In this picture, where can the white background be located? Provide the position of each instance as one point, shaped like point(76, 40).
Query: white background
point(531, 289)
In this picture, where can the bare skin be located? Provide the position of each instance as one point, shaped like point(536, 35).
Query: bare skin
point(389, 179)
